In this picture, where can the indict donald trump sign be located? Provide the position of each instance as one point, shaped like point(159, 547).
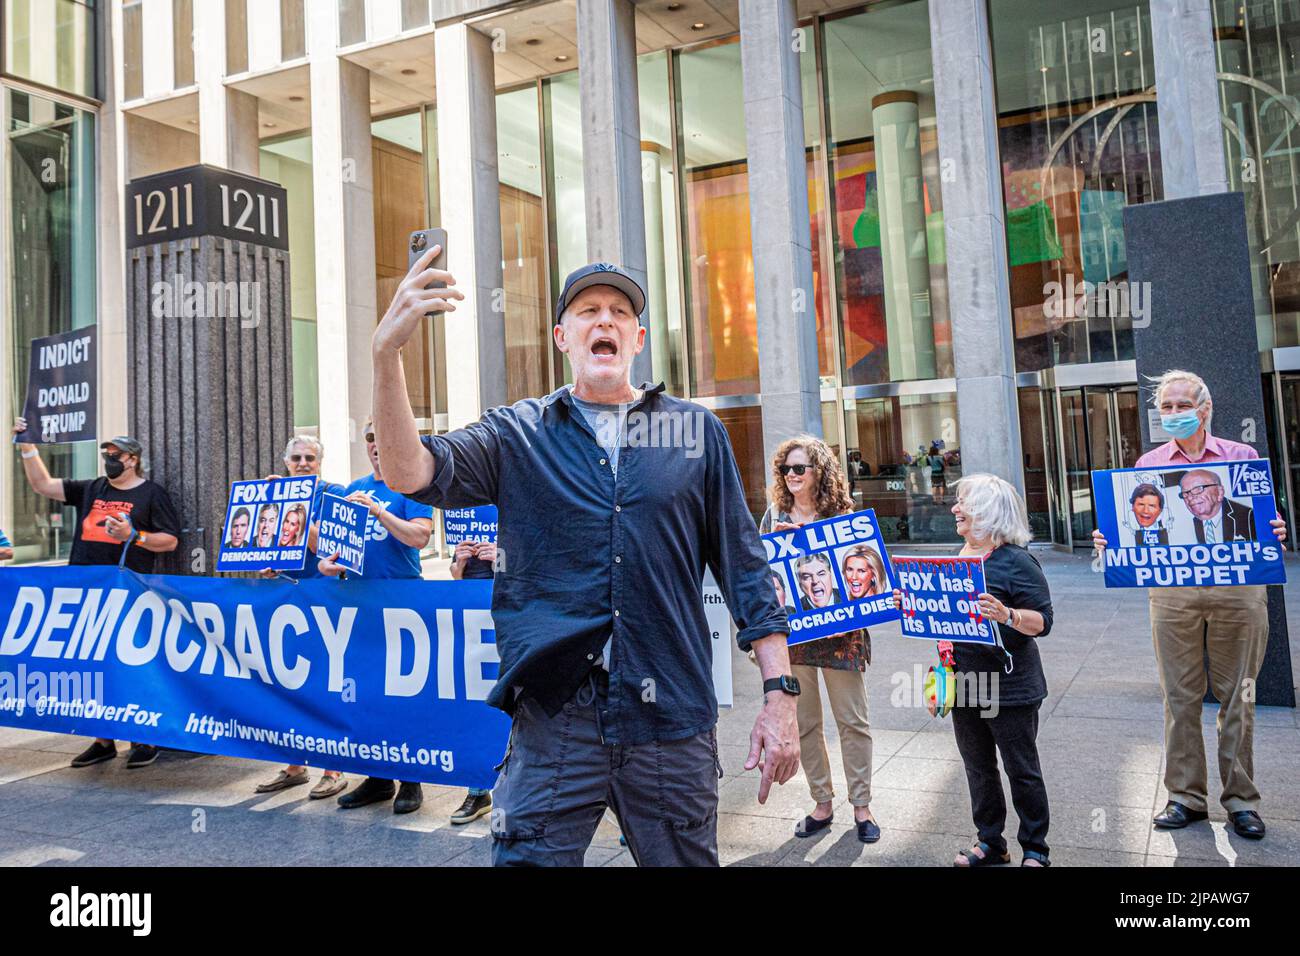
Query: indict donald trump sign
point(832, 576)
point(1189, 525)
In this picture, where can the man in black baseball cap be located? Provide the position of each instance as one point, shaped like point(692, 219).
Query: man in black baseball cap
point(606, 523)
point(123, 510)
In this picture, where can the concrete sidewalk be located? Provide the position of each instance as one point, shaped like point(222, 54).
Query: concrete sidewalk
point(1100, 741)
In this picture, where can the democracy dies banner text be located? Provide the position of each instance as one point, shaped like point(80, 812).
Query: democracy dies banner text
point(941, 599)
point(61, 386)
point(386, 678)
point(832, 576)
point(266, 525)
point(342, 530)
point(1188, 525)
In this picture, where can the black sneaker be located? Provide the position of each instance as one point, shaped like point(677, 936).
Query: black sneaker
point(141, 755)
point(372, 790)
point(410, 797)
point(95, 753)
point(475, 806)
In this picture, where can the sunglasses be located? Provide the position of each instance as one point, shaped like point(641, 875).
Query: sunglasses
point(297, 458)
point(370, 437)
point(797, 469)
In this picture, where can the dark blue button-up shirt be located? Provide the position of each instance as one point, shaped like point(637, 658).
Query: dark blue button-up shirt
point(585, 555)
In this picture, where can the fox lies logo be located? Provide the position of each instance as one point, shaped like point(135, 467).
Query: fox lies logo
point(1250, 480)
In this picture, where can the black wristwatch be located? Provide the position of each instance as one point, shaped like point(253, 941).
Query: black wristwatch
point(785, 683)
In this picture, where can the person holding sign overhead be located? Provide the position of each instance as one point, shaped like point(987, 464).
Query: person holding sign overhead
point(395, 532)
point(303, 456)
point(1226, 625)
point(606, 653)
point(122, 517)
point(808, 485)
point(1007, 678)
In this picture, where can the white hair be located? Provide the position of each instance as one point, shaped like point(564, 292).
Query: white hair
point(1175, 375)
point(996, 510)
point(311, 441)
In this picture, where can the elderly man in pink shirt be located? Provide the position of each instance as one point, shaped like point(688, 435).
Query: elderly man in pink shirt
point(1227, 624)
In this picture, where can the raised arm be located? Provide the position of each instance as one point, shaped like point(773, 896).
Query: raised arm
point(38, 476)
point(408, 467)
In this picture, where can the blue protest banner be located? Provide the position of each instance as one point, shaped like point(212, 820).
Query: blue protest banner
point(1188, 525)
point(941, 600)
point(342, 530)
point(840, 571)
point(266, 525)
point(469, 524)
point(386, 678)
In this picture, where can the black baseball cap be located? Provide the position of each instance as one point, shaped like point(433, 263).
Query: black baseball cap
point(125, 444)
point(600, 273)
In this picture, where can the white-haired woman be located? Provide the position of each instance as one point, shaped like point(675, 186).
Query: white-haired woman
point(992, 522)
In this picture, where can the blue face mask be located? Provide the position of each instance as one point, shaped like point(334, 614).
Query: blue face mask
point(1181, 426)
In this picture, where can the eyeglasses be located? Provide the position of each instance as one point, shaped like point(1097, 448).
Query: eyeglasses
point(1197, 491)
point(297, 458)
point(797, 469)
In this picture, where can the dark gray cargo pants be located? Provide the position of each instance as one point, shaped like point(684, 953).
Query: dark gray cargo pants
point(557, 779)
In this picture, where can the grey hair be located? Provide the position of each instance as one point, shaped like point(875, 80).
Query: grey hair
point(996, 510)
point(311, 441)
point(1161, 382)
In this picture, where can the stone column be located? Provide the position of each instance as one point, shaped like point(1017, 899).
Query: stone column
point(611, 144)
point(904, 251)
point(1187, 99)
point(228, 130)
point(779, 224)
point(343, 196)
point(470, 196)
point(983, 340)
point(112, 166)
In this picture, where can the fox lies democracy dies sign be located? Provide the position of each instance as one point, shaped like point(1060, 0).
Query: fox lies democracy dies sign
point(832, 576)
point(266, 525)
point(1189, 525)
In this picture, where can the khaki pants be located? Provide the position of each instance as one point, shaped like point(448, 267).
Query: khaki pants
point(1231, 625)
point(848, 693)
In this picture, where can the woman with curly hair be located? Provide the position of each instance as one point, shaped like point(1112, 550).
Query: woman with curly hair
point(808, 485)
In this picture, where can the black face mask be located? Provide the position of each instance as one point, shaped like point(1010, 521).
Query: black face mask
point(113, 467)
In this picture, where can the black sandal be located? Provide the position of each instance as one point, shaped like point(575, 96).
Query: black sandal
point(811, 826)
point(988, 859)
point(1042, 859)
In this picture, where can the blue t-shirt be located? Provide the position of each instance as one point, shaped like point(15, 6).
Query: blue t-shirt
point(309, 568)
point(386, 557)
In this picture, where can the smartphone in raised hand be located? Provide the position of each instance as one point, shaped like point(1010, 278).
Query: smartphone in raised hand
point(420, 243)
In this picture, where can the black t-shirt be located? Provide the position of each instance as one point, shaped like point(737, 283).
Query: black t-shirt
point(476, 569)
point(1014, 577)
point(147, 505)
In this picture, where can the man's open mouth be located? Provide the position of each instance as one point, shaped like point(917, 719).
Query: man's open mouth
point(604, 346)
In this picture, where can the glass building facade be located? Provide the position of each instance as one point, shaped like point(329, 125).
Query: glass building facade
point(49, 187)
point(1077, 132)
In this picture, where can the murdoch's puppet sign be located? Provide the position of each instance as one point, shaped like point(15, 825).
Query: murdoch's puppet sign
point(1189, 525)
